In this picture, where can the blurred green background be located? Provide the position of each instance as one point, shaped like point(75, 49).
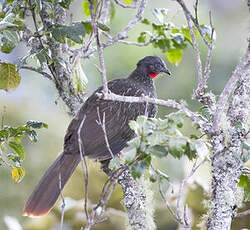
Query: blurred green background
point(35, 99)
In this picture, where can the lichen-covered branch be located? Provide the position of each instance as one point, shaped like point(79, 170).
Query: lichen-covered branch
point(220, 106)
point(62, 73)
point(203, 76)
point(168, 103)
point(227, 162)
point(137, 202)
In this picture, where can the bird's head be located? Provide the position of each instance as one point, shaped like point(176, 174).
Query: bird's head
point(152, 66)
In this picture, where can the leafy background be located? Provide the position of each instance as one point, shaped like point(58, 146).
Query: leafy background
point(35, 99)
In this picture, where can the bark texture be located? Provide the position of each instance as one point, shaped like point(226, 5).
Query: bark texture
point(138, 202)
point(227, 160)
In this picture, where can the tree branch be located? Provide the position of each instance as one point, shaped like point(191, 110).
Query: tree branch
point(220, 106)
point(62, 73)
point(227, 159)
point(99, 45)
point(122, 34)
point(188, 15)
point(207, 99)
point(45, 74)
point(244, 213)
point(168, 103)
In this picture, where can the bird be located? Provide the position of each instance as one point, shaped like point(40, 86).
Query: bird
point(116, 116)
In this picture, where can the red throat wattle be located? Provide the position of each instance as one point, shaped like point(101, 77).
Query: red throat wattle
point(153, 75)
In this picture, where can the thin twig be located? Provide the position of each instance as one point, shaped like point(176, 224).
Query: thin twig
point(35, 23)
point(244, 213)
point(122, 34)
point(123, 5)
point(63, 201)
point(207, 69)
point(84, 167)
point(37, 71)
point(136, 43)
point(188, 15)
point(196, 10)
point(167, 203)
point(102, 124)
point(133, 43)
point(99, 45)
point(183, 219)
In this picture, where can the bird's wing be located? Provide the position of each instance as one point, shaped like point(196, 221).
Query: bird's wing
point(117, 116)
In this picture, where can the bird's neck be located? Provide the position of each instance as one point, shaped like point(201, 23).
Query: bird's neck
point(142, 77)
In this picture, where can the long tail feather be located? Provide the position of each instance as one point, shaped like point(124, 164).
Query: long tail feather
point(47, 191)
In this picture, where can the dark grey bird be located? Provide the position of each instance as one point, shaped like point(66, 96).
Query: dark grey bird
point(117, 116)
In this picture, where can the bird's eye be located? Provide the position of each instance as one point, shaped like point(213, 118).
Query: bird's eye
point(158, 65)
point(151, 67)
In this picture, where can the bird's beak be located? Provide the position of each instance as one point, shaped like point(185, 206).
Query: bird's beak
point(165, 70)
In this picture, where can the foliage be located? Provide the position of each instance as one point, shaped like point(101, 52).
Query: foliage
point(9, 77)
point(245, 183)
point(12, 151)
point(157, 138)
point(171, 39)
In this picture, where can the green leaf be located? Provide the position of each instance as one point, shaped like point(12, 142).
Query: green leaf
point(152, 176)
point(112, 11)
point(114, 163)
point(4, 134)
point(145, 21)
point(10, 40)
point(174, 56)
point(75, 32)
point(156, 138)
point(7, 22)
point(178, 40)
point(202, 108)
point(177, 146)
point(245, 183)
point(32, 135)
point(59, 33)
point(147, 160)
point(158, 151)
point(85, 5)
point(190, 152)
point(9, 77)
point(160, 29)
point(163, 44)
point(37, 4)
point(245, 146)
point(142, 37)
point(128, 2)
point(103, 27)
point(17, 147)
point(160, 13)
point(138, 168)
point(186, 34)
point(207, 30)
point(129, 154)
point(36, 124)
point(88, 26)
point(134, 126)
point(135, 142)
point(42, 57)
point(65, 3)
point(80, 80)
